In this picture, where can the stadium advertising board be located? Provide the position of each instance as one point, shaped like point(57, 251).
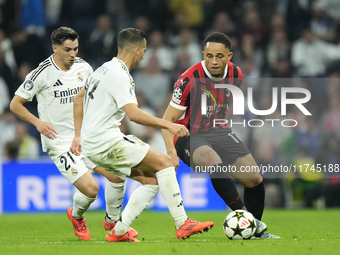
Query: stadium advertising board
point(30, 187)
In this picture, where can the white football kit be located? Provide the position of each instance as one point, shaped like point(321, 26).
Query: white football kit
point(110, 88)
point(55, 90)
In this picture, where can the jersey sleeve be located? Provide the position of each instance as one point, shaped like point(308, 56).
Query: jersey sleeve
point(32, 84)
point(123, 91)
point(89, 72)
point(180, 94)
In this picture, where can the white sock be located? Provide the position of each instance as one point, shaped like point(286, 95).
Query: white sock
point(80, 204)
point(121, 228)
point(114, 195)
point(171, 193)
point(138, 201)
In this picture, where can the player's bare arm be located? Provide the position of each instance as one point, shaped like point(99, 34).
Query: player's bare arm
point(18, 108)
point(172, 115)
point(137, 115)
point(78, 120)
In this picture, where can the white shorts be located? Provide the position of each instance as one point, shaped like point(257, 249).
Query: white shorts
point(122, 156)
point(72, 166)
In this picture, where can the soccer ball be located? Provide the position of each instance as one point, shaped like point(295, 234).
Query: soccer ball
point(239, 225)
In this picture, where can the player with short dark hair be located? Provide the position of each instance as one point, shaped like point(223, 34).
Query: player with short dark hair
point(129, 37)
point(218, 38)
point(210, 144)
point(110, 94)
point(62, 34)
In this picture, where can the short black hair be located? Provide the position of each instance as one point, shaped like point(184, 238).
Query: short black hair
point(130, 36)
point(61, 34)
point(218, 37)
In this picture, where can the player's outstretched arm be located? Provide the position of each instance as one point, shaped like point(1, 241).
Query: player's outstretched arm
point(18, 108)
point(172, 115)
point(137, 115)
point(78, 107)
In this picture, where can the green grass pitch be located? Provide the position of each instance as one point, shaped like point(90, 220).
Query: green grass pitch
point(302, 232)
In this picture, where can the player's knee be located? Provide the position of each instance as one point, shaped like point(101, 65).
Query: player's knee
point(253, 182)
point(92, 190)
point(165, 162)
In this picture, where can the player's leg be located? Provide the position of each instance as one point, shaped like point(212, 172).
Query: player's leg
point(160, 164)
point(240, 165)
point(252, 181)
point(134, 153)
point(157, 162)
point(222, 183)
point(73, 168)
point(114, 195)
point(139, 200)
point(87, 191)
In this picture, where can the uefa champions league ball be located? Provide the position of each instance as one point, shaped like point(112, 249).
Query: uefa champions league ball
point(239, 225)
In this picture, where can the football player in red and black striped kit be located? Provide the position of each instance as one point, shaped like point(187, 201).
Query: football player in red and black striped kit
point(210, 143)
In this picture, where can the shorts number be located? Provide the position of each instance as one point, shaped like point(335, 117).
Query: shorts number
point(63, 159)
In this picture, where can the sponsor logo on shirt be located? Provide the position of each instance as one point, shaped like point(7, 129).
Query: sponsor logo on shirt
point(66, 92)
point(66, 96)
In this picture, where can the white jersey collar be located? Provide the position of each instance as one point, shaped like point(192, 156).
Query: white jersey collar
point(56, 66)
point(124, 65)
point(212, 77)
point(54, 63)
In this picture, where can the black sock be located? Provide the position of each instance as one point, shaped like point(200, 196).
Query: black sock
point(254, 200)
point(226, 189)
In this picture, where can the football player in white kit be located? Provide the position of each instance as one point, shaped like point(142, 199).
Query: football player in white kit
point(55, 82)
point(110, 94)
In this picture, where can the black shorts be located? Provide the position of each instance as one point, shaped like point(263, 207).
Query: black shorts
point(224, 141)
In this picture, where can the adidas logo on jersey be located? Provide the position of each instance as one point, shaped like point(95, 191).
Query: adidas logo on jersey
point(58, 83)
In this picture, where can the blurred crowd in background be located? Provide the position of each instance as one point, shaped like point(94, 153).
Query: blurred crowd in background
point(276, 43)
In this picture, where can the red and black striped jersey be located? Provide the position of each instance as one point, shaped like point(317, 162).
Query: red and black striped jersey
point(188, 91)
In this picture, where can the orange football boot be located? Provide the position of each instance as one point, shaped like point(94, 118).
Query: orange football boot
point(191, 227)
point(112, 237)
point(109, 226)
point(79, 226)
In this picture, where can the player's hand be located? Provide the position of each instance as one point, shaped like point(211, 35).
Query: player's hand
point(75, 146)
point(174, 159)
point(47, 130)
point(179, 130)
